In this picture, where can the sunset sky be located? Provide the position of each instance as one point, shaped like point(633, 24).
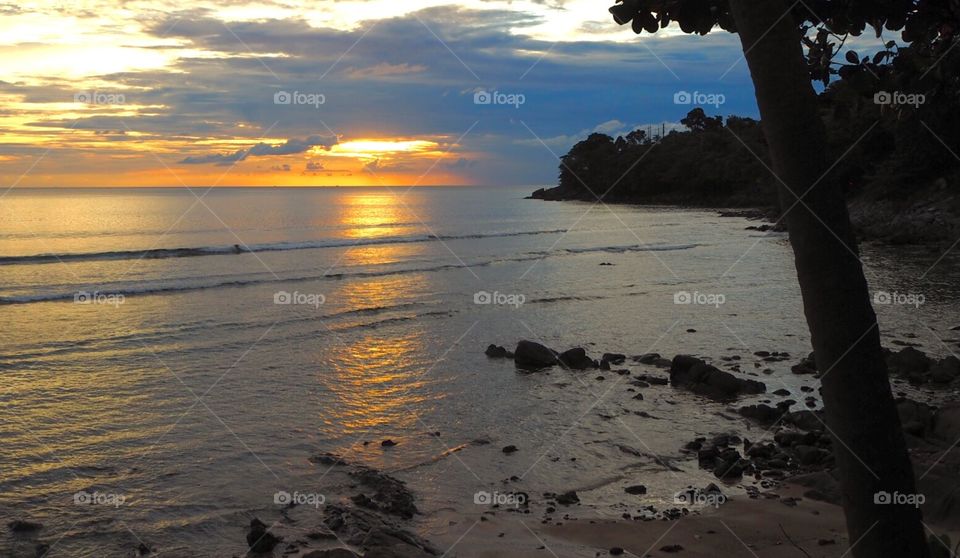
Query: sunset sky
point(236, 93)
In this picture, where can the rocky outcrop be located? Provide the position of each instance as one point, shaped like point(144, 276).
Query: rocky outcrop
point(699, 377)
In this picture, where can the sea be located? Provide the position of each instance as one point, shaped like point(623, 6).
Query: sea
point(170, 359)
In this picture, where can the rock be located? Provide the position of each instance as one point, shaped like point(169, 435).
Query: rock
point(510, 449)
point(390, 495)
point(671, 548)
point(533, 355)
point(916, 418)
point(650, 380)
point(782, 392)
point(259, 538)
point(636, 489)
point(576, 359)
point(806, 366)
point(909, 363)
point(496, 351)
point(697, 376)
point(764, 413)
point(809, 455)
point(334, 553)
point(568, 498)
point(648, 358)
point(24, 526)
point(945, 371)
point(388, 443)
point(613, 358)
point(946, 423)
point(805, 420)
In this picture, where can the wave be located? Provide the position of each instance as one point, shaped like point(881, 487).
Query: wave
point(164, 289)
point(236, 249)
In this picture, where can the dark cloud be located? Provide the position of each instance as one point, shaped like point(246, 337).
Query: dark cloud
point(289, 147)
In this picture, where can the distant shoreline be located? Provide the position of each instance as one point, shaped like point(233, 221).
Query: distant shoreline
point(930, 216)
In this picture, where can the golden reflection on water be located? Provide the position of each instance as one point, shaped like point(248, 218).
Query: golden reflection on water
point(378, 379)
point(373, 215)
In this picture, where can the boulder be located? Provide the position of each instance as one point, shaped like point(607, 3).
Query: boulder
point(576, 359)
point(697, 376)
point(529, 354)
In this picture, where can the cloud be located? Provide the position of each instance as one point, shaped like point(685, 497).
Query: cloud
point(289, 147)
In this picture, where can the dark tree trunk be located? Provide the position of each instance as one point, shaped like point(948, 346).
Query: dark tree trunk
point(860, 411)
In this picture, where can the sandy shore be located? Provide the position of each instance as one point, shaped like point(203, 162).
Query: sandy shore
point(765, 527)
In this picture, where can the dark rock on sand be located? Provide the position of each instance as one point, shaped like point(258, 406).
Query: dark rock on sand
point(636, 489)
point(24, 526)
point(945, 371)
point(391, 495)
point(259, 538)
point(568, 498)
point(529, 354)
point(916, 418)
point(763, 413)
point(648, 358)
point(388, 443)
point(613, 358)
point(510, 449)
point(496, 351)
point(576, 359)
point(806, 366)
point(333, 553)
point(377, 535)
point(699, 377)
point(909, 363)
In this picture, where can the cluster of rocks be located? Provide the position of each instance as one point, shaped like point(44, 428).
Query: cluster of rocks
point(789, 453)
point(368, 525)
point(685, 371)
point(530, 355)
point(918, 368)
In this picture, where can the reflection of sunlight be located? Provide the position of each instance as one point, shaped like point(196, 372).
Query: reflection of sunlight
point(377, 378)
point(372, 215)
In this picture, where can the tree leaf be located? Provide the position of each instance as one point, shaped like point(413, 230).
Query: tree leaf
point(853, 57)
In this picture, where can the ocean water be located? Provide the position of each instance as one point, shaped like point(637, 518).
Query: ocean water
point(170, 359)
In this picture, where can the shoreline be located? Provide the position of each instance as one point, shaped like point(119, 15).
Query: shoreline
point(931, 215)
point(765, 509)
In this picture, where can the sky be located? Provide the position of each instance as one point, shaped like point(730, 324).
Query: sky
point(335, 92)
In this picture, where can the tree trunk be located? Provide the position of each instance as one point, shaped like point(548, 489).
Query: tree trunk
point(868, 440)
